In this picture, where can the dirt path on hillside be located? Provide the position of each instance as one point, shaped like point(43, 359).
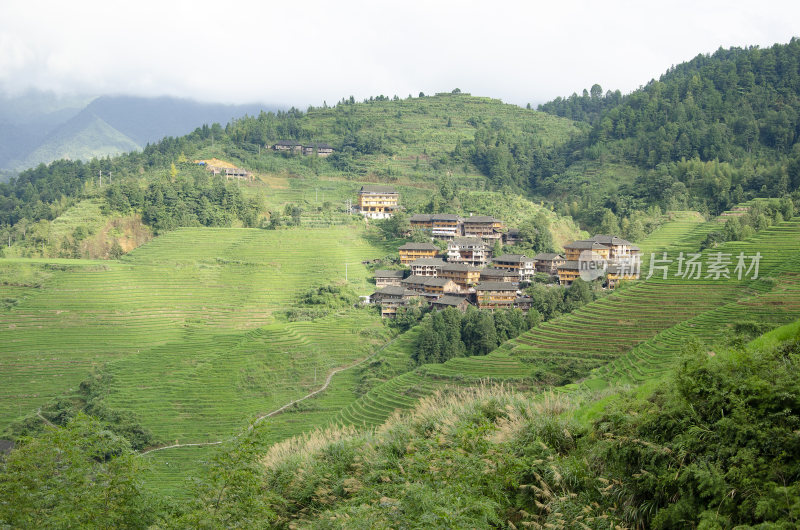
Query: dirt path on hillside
point(277, 411)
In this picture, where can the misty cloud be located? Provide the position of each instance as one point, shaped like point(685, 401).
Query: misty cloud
point(304, 53)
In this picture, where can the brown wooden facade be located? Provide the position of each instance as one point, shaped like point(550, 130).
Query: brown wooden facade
point(413, 251)
point(495, 295)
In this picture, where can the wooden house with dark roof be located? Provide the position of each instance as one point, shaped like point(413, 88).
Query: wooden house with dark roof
point(421, 221)
point(321, 148)
point(618, 248)
point(568, 271)
point(511, 237)
point(413, 251)
point(483, 226)
point(495, 295)
point(288, 145)
point(459, 302)
point(377, 202)
point(439, 286)
point(445, 225)
point(548, 262)
point(572, 251)
point(523, 303)
point(415, 282)
point(427, 266)
point(391, 298)
point(491, 274)
point(609, 252)
point(518, 263)
point(387, 278)
point(468, 251)
point(440, 225)
point(464, 275)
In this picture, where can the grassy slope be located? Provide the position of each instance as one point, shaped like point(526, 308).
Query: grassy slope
point(414, 130)
point(186, 325)
point(491, 457)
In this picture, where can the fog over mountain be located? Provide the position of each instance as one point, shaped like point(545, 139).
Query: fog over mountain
point(39, 127)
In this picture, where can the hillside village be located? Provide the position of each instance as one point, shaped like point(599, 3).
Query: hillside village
point(435, 320)
point(467, 273)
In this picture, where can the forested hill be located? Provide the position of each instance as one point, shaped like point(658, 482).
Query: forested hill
point(730, 105)
point(414, 140)
point(710, 133)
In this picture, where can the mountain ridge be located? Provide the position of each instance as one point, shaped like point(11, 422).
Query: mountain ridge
point(40, 127)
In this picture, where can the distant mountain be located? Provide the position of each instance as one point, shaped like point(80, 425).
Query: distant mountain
point(148, 120)
point(27, 119)
point(83, 137)
point(41, 127)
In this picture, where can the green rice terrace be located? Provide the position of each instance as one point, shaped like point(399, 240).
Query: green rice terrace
point(191, 328)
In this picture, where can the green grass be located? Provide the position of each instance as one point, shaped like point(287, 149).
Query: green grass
point(189, 326)
point(415, 136)
point(776, 336)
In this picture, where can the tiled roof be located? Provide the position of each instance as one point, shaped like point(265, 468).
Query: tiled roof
point(490, 272)
point(586, 244)
point(458, 267)
point(450, 300)
point(571, 265)
point(418, 246)
point(383, 273)
point(437, 282)
point(512, 258)
point(375, 188)
point(480, 219)
point(609, 240)
point(394, 290)
point(467, 242)
point(495, 286)
point(437, 262)
point(421, 217)
point(547, 256)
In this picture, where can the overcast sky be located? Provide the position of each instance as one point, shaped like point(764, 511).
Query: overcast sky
point(301, 53)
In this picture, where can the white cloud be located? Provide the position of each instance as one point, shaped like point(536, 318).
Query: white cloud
point(301, 53)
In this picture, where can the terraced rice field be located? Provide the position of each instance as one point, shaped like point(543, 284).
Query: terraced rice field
point(629, 336)
point(679, 225)
point(173, 305)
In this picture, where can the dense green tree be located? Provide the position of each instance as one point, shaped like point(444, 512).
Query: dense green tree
point(79, 475)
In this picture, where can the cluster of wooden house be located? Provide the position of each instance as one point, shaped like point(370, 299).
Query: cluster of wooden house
point(618, 259)
point(470, 275)
point(293, 146)
point(467, 273)
point(461, 281)
point(377, 201)
point(449, 226)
